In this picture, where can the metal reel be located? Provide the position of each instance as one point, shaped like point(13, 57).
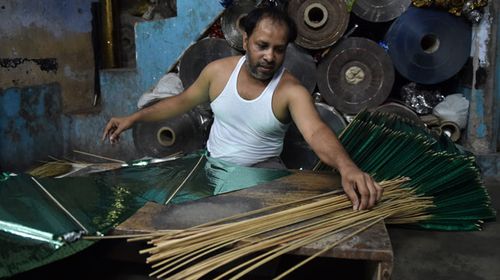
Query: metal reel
point(320, 23)
point(296, 152)
point(302, 66)
point(185, 133)
point(380, 10)
point(356, 74)
point(199, 55)
point(230, 22)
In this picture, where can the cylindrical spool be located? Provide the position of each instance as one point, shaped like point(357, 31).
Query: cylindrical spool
point(401, 110)
point(451, 129)
point(437, 47)
point(183, 133)
point(165, 136)
point(301, 64)
point(355, 75)
point(296, 152)
point(320, 23)
point(230, 22)
point(380, 10)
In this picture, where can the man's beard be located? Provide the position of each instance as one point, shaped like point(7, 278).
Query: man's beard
point(254, 71)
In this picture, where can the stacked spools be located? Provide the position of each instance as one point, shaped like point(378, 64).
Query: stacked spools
point(354, 57)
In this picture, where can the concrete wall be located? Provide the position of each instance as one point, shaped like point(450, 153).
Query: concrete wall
point(159, 44)
point(481, 135)
point(46, 51)
point(30, 125)
point(46, 68)
point(48, 41)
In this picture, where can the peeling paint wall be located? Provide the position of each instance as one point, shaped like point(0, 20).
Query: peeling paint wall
point(45, 42)
point(46, 69)
point(30, 125)
point(159, 44)
point(481, 135)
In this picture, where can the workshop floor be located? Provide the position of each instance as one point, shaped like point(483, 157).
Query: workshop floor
point(417, 255)
point(449, 255)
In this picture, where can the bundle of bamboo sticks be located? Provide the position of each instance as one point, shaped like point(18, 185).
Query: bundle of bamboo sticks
point(268, 233)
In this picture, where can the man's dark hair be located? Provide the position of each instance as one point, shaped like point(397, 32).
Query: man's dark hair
point(249, 22)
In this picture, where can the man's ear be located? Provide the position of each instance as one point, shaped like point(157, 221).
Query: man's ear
point(245, 41)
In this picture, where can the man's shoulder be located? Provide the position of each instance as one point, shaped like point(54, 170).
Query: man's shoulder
point(290, 84)
point(224, 63)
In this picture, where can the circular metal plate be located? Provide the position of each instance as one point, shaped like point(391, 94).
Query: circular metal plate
point(230, 22)
point(429, 46)
point(296, 152)
point(320, 23)
point(163, 138)
point(380, 10)
point(301, 64)
point(356, 74)
point(199, 55)
point(400, 110)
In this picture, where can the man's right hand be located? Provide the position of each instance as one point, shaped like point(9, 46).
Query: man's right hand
point(115, 127)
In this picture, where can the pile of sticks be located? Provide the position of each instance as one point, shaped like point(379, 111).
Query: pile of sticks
point(268, 233)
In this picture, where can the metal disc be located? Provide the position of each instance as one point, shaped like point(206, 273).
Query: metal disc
point(429, 46)
point(179, 134)
point(230, 21)
point(401, 110)
point(356, 74)
point(199, 55)
point(380, 10)
point(320, 23)
point(301, 64)
point(296, 152)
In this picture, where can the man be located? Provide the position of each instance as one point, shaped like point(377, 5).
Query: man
point(254, 99)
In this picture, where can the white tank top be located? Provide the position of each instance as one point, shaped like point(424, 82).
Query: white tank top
point(245, 132)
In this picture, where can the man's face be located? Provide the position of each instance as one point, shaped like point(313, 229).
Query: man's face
point(265, 48)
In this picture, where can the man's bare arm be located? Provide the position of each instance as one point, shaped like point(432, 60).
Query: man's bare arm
point(359, 186)
point(169, 107)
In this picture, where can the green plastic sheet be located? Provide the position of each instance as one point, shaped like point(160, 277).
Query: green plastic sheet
point(42, 219)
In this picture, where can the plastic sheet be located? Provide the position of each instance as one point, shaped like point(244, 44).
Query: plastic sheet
point(422, 47)
point(169, 85)
point(33, 227)
point(454, 108)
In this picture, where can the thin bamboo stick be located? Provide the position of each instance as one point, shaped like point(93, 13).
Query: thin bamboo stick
point(97, 156)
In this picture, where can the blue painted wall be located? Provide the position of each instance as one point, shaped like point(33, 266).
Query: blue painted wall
point(30, 125)
point(159, 44)
point(481, 135)
point(48, 41)
point(35, 29)
point(46, 68)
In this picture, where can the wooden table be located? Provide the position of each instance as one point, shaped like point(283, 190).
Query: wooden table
point(372, 245)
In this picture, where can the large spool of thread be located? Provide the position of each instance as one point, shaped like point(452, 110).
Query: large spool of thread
point(296, 152)
point(380, 10)
point(355, 75)
point(428, 46)
point(320, 23)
